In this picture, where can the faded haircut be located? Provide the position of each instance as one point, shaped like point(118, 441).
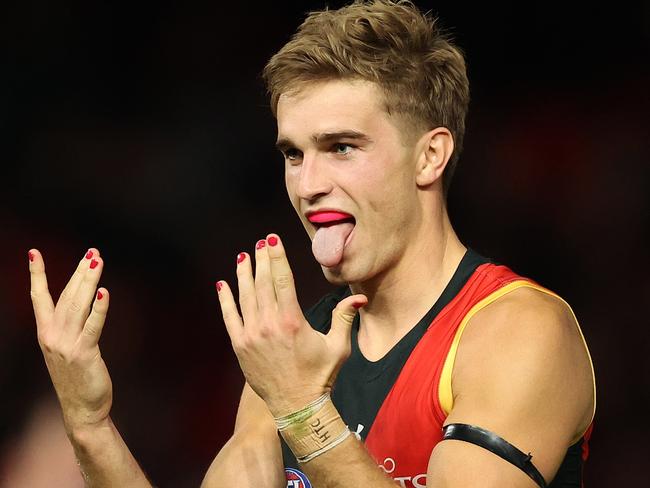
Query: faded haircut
point(421, 72)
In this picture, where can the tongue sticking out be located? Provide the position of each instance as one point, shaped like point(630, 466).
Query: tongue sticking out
point(329, 242)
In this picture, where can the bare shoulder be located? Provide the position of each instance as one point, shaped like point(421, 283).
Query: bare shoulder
point(529, 323)
point(524, 356)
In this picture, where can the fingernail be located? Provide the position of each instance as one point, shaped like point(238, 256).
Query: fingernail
point(89, 254)
point(240, 257)
point(99, 295)
point(260, 244)
point(93, 264)
point(358, 305)
point(30, 254)
point(273, 241)
point(219, 285)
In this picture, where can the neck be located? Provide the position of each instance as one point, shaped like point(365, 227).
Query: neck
point(399, 298)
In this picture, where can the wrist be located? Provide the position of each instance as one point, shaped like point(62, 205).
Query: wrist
point(88, 436)
point(313, 430)
point(288, 404)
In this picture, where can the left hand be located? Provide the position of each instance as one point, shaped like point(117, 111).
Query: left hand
point(286, 362)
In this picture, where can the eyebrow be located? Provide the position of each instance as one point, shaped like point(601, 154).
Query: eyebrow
point(285, 143)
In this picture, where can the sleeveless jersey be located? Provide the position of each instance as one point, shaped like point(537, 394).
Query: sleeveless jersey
point(398, 404)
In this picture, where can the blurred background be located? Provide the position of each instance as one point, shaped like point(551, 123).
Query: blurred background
point(143, 129)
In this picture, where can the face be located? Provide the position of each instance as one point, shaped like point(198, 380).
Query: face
point(344, 152)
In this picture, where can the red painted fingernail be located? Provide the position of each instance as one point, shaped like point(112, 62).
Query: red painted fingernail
point(30, 254)
point(219, 285)
point(99, 295)
point(93, 264)
point(273, 240)
point(358, 305)
point(260, 244)
point(89, 254)
point(240, 257)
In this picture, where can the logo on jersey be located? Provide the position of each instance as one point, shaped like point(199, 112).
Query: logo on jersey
point(357, 433)
point(417, 481)
point(296, 479)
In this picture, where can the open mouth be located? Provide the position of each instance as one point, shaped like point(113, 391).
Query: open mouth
point(334, 230)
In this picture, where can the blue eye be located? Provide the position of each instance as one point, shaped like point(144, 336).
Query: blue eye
point(342, 149)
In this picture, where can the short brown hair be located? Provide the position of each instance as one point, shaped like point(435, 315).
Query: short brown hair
point(393, 44)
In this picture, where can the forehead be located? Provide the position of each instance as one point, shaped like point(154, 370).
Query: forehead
point(328, 105)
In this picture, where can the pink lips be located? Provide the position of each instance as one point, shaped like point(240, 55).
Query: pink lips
point(327, 216)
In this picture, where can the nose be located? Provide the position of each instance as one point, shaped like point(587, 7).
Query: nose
point(313, 178)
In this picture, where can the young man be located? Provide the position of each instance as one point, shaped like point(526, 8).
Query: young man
point(429, 366)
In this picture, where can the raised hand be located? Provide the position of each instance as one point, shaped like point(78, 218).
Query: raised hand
point(285, 361)
point(68, 334)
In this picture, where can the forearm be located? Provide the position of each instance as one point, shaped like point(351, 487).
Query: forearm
point(348, 464)
point(250, 459)
point(104, 458)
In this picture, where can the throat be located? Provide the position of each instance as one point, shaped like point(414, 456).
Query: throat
point(375, 343)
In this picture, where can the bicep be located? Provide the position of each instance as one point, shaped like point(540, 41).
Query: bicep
point(252, 457)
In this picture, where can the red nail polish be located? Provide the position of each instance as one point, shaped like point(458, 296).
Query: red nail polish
point(93, 264)
point(99, 295)
point(260, 244)
point(273, 240)
point(240, 257)
point(30, 254)
point(358, 305)
point(89, 254)
point(219, 285)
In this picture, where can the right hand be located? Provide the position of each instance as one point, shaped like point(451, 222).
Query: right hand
point(68, 334)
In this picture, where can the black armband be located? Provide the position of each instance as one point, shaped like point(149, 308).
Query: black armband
point(495, 444)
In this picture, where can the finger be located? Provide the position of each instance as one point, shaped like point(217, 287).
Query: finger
point(78, 307)
point(266, 301)
point(72, 286)
point(246, 284)
point(41, 299)
point(231, 318)
point(94, 325)
point(283, 284)
point(342, 319)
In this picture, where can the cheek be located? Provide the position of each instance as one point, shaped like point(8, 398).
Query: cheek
point(389, 204)
point(382, 190)
point(290, 185)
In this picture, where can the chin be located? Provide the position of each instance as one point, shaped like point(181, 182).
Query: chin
point(342, 275)
point(334, 275)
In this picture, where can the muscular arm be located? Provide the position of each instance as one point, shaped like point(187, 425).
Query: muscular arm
point(522, 371)
point(253, 456)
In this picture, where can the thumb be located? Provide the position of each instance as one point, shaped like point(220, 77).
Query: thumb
point(342, 318)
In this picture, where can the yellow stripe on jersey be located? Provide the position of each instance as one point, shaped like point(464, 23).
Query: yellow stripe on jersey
point(445, 393)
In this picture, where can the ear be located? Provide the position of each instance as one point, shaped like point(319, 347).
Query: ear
point(435, 147)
